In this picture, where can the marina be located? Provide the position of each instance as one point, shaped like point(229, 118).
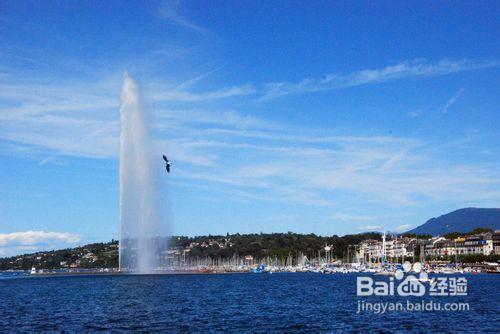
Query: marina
point(270, 268)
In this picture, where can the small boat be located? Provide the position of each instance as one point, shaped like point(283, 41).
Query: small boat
point(260, 269)
point(493, 271)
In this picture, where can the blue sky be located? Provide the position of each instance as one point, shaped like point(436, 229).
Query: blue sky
point(327, 118)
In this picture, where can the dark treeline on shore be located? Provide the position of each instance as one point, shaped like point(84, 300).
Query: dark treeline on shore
point(104, 255)
point(259, 246)
point(262, 245)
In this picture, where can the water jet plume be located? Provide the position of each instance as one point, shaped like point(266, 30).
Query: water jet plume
point(141, 213)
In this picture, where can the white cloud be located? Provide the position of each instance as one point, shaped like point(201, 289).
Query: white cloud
point(370, 228)
point(406, 69)
point(452, 101)
point(31, 241)
point(36, 238)
point(403, 228)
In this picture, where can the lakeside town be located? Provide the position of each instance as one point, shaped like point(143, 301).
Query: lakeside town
point(477, 251)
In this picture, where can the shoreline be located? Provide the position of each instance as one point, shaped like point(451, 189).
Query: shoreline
point(183, 272)
point(117, 273)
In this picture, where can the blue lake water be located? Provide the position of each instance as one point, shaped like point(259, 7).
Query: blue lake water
point(230, 303)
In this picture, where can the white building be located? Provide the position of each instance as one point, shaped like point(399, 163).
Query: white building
point(481, 244)
point(372, 250)
point(476, 244)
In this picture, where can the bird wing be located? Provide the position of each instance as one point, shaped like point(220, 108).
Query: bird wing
point(165, 158)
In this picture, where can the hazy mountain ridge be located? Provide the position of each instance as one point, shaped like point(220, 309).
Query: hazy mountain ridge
point(462, 220)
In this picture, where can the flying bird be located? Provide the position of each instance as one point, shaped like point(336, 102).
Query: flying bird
point(167, 163)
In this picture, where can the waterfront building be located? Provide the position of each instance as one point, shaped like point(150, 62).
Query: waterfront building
point(399, 248)
point(480, 244)
point(370, 251)
point(374, 250)
point(496, 242)
point(441, 248)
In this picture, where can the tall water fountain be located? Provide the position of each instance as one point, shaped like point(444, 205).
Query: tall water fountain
point(141, 218)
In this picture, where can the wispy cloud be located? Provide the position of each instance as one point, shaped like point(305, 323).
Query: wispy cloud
point(254, 158)
point(415, 113)
point(452, 101)
point(184, 96)
point(188, 83)
point(170, 10)
point(370, 228)
point(406, 69)
point(207, 146)
point(78, 145)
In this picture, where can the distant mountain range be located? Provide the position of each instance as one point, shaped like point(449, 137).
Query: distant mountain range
point(462, 220)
